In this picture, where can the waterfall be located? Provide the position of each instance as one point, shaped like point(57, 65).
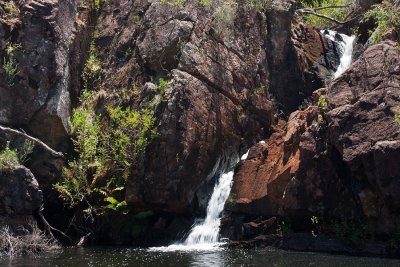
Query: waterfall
point(346, 45)
point(204, 235)
point(207, 231)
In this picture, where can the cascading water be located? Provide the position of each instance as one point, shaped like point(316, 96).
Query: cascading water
point(346, 45)
point(207, 231)
point(204, 235)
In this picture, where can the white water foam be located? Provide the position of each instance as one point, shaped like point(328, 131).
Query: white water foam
point(245, 155)
point(346, 46)
point(205, 235)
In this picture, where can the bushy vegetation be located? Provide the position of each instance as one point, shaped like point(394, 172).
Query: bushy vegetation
point(224, 18)
point(336, 9)
point(386, 17)
point(97, 4)
point(10, 12)
point(107, 148)
point(322, 105)
point(93, 70)
point(162, 86)
point(10, 157)
point(10, 65)
point(173, 2)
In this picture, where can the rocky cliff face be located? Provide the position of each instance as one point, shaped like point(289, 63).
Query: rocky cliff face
point(228, 82)
point(217, 99)
point(338, 164)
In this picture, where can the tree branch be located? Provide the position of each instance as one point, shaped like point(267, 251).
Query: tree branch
point(33, 139)
point(309, 11)
point(50, 228)
point(327, 7)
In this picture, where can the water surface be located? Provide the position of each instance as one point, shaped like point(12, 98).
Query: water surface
point(118, 257)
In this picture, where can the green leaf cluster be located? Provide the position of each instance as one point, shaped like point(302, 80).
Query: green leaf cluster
point(93, 69)
point(178, 3)
point(224, 18)
point(97, 4)
point(8, 157)
point(10, 9)
point(10, 65)
point(322, 105)
point(12, 157)
point(336, 13)
point(107, 148)
point(386, 17)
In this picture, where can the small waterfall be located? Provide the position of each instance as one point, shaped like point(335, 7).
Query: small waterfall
point(204, 235)
point(207, 231)
point(346, 45)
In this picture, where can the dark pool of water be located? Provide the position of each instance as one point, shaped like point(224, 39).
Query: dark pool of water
point(118, 257)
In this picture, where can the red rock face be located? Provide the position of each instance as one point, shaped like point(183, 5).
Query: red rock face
point(260, 181)
point(345, 167)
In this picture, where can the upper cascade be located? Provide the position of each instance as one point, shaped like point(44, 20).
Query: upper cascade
point(346, 44)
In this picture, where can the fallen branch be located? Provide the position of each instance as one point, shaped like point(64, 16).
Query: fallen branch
point(309, 11)
point(328, 7)
point(33, 139)
point(50, 228)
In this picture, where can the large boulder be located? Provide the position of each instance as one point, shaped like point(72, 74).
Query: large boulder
point(19, 192)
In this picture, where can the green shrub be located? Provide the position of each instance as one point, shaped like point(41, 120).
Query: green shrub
point(92, 70)
point(173, 2)
point(10, 65)
point(107, 149)
point(24, 152)
point(322, 105)
point(162, 86)
point(11, 10)
point(224, 18)
point(13, 157)
point(8, 157)
point(205, 3)
point(336, 13)
point(137, 20)
point(386, 17)
point(97, 4)
point(256, 4)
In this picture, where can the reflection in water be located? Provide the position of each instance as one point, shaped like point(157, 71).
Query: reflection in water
point(208, 259)
point(119, 257)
